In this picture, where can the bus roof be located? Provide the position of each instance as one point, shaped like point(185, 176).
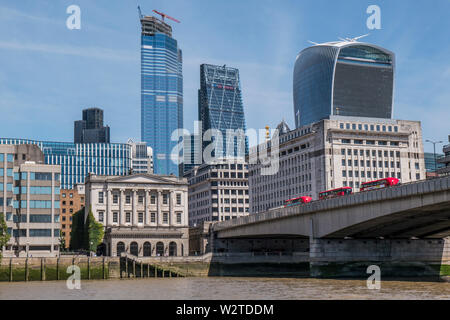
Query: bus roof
point(335, 189)
point(384, 179)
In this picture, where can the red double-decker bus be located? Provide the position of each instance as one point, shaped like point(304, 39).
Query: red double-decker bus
point(378, 184)
point(295, 201)
point(335, 193)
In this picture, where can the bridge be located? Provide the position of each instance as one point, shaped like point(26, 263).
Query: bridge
point(402, 228)
point(420, 209)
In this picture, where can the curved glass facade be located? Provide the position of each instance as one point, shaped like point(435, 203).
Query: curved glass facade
point(351, 79)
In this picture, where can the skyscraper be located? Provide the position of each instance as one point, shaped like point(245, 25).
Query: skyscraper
point(161, 92)
point(220, 106)
point(91, 129)
point(345, 78)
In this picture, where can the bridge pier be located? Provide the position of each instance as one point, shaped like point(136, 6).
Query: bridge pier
point(395, 257)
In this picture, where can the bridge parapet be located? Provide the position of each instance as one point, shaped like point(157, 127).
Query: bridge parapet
point(359, 198)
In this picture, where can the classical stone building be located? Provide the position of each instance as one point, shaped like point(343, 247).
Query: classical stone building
point(143, 214)
point(334, 153)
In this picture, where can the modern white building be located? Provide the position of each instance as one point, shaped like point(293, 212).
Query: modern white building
point(336, 152)
point(141, 157)
point(143, 214)
point(218, 192)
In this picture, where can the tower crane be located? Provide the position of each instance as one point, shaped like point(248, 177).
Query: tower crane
point(163, 15)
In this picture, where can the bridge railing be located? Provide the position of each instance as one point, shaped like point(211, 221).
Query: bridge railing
point(421, 187)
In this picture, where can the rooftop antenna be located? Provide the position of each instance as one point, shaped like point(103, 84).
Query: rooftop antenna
point(353, 39)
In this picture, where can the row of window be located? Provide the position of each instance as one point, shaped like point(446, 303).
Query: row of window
point(128, 215)
point(9, 157)
point(371, 142)
point(367, 127)
point(361, 152)
point(35, 190)
point(34, 232)
point(34, 218)
point(368, 174)
point(368, 163)
point(35, 204)
point(165, 199)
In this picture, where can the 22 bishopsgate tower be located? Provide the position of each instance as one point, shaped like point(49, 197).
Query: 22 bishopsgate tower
point(161, 91)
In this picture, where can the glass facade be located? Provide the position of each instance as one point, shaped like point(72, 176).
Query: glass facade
point(161, 92)
point(220, 106)
point(79, 159)
point(344, 79)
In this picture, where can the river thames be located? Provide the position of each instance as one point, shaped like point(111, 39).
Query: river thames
point(225, 288)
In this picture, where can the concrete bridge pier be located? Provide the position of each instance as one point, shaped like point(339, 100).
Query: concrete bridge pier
point(395, 257)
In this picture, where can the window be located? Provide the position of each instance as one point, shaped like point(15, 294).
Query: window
point(416, 165)
point(153, 217)
point(127, 199)
point(71, 195)
point(153, 199)
point(100, 216)
point(141, 199)
point(100, 197)
point(344, 173)
point(115, 198)
point(179, 217)
point(128, 217)
point(165, 217)
point(178, 198)
point(165, 198)
point(343, 152)
point(140, 217)
point(115, 217)
point(368, 174)
point(343, 162)
point(346, 141)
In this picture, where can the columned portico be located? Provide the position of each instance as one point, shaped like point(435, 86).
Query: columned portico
point(140, 213)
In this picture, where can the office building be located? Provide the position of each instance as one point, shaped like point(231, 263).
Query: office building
point(192, 152)
point(345, 78)
point(445, 160)
point(141, 157)
point(91, 129)
point(161, 92)
point(79, 159)
point(333, 153)
point(431, 163)
point(143, 214)
point(217, 192)
point(29, 197)
point(71, 201)
point(220, 107)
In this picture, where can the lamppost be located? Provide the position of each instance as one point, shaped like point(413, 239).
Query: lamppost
point(434, 150)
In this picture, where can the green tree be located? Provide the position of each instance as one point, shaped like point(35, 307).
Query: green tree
point(4, 235)
point(95, 232)
point(77, 235)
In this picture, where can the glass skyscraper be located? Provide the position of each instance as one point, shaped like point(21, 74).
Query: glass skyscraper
point(345, 78)
point(220, 106)
point(77, 160)
point(161, 92)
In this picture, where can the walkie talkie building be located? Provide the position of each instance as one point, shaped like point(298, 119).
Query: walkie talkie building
point(345, 78)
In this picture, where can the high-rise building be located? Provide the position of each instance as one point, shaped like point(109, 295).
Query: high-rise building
point(431, 163)
point(142, 157)
point(77, 160)
point(91, 129)
point(161, 92)
point(220, 107)
point(29, 197)
point(218, 192)
point(345, 78)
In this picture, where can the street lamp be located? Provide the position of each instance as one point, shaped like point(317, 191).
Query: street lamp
point(434, 149)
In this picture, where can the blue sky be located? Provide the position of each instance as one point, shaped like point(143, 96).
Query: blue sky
point(49, 73)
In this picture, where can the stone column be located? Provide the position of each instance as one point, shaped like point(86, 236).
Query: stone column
point(171, 208)
point(147, 207)
point(185, 205)
point(121, 202)
point(159, 213)
point(134, 218)
point(108, 213)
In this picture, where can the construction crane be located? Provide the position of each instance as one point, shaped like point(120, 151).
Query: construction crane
point(141, 16)
point(163, 15)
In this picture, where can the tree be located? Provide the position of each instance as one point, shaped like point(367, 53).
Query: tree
point(4, 235)
point(95, 232)
point(77, 237)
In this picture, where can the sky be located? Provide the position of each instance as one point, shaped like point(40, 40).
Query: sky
point(49, 73)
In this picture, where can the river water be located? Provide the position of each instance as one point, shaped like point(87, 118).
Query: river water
point(225, 288)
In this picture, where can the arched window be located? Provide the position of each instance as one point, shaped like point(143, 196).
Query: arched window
point(147, 249)
point(120, 248)
point(172, 249)
point(134, 249)
point(160, 249)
